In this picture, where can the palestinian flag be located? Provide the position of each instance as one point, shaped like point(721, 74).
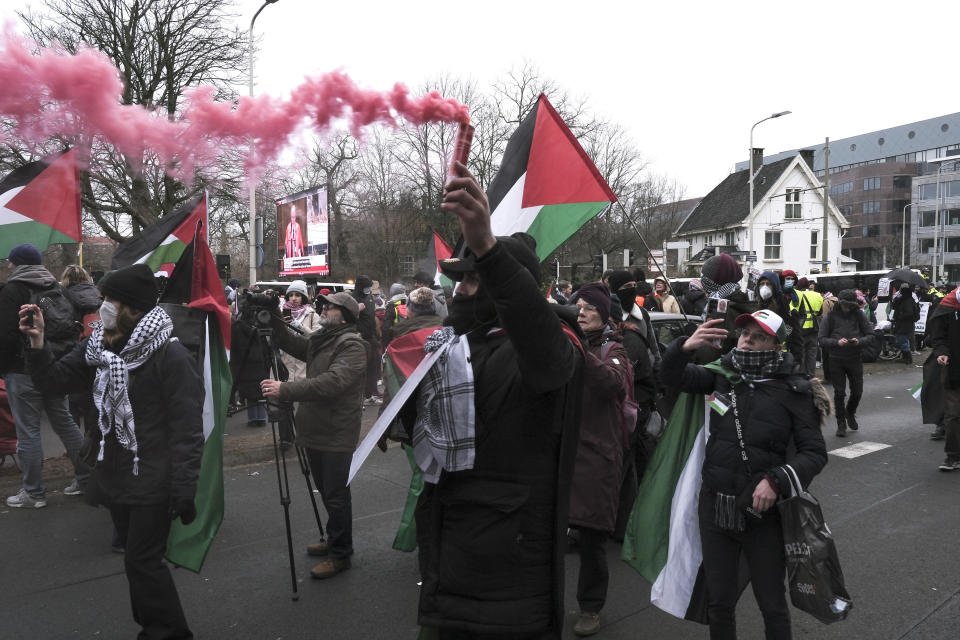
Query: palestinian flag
point(437, 251)
point(662, 541)
point(401, 358)
point(547, 186)
point(40, 203)
point(917, 390)
point(161, 245)
point(195, 282)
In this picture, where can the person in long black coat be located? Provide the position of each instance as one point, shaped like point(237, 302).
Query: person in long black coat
point(906, 312)
point(151, 431)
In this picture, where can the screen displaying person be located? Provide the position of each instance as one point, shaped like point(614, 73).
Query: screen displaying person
point(293, 241)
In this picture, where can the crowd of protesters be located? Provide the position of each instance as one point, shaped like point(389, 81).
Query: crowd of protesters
point(533, 427)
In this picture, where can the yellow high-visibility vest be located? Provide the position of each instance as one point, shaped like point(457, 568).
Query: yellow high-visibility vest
point(809, 303)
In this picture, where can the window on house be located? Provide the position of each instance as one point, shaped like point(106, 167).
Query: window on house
point(846, 209)
point(771, 245)
point(843, 187)
point(951, 216)
point(407, 266)
point(953, 245)
point(792, 209)
point(925, 245)
point(730, 238)
point(927, 218)
point(814, 236)
point(871, 206)
point(869, 184)
point(951, 188)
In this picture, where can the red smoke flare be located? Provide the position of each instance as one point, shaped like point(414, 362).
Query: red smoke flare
point(57, 93)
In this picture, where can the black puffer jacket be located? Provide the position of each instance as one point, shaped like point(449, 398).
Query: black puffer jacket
point(773, 414)
point(166, 393)
point(492, 538)
point(845, 324)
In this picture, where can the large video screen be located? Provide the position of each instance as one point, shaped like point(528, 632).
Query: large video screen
point(303, 231)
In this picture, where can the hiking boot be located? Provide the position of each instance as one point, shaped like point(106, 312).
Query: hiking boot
point(318, 548)
point(587, 624)
point(24, 499)
point(330, 567)
point(939, 433)
point(950, 464)
point(73, 489)
point(852, 422)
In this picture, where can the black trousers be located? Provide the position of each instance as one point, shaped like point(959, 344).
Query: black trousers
point(330, 470)
point(762, 545)
point(594, 575)
point(153, 595)
point(840, 370)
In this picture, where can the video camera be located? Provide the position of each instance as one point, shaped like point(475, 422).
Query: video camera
point(256, 308)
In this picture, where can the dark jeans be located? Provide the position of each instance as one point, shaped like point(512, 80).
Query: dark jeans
point(594, 575)
point(762, 545)
point(951, 417)
point(153, 595)
point(810, 343)
point(840, 370)
point(330, 471)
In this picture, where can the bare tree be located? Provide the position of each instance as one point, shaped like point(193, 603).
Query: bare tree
point(161, 48)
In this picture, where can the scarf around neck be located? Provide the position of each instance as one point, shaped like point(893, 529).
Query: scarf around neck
point(756, 364)
point(113, 377)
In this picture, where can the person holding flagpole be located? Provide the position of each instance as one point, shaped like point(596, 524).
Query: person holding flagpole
point(148, 393)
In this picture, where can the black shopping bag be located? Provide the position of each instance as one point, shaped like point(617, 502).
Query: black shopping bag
point(813, 568)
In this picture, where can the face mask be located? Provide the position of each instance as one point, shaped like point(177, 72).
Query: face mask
point(766, 292)
point(788, 283)
point(108, 315)
point(467, 313)
point(626, 297)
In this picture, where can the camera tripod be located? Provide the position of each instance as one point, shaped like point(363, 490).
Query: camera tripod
point(276, 413)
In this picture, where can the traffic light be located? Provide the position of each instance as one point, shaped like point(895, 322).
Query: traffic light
point(631, 254)
point(598, 263)
point(223, 266)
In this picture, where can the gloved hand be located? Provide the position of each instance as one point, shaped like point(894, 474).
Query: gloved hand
point(184, 508)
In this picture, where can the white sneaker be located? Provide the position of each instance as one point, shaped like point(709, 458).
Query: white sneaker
point(73, 489)
point(23, 499)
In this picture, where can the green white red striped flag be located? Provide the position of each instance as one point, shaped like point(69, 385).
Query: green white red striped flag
point(547, 185)
point(40, 203)
point(915, 392)
point(187, 545)
point(161, 245)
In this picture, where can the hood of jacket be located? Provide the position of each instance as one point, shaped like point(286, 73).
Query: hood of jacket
point(84, 296)
point(34, 275)
point(774, 283)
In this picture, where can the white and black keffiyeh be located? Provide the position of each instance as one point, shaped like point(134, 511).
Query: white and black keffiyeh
point(113, 377)
point(444, 435)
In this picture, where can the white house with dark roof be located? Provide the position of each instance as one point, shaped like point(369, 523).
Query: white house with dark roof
point(784, 229)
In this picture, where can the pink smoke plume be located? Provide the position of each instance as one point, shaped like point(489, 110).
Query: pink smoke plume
point(56, 93)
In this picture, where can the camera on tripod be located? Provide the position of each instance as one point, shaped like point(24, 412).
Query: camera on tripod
point(257, 308)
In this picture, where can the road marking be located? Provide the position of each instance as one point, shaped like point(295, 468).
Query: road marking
point(858, 449)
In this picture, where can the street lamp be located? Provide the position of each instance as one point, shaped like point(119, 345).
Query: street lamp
point(903, 236)
point(253, 187)
point(750, 212)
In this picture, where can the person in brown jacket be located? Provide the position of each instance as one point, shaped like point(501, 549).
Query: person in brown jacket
point(595, 491)
point(328, 419)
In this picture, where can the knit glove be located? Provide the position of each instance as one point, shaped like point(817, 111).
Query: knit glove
point(182, 508)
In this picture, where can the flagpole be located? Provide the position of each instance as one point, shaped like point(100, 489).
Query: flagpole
point(649, 252)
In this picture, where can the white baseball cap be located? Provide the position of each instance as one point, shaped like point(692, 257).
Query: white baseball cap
point(768, 320)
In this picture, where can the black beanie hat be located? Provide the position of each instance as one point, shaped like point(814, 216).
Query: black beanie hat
point(618, 279)
point(364, 282)
point(134, 286)
point(597, 294)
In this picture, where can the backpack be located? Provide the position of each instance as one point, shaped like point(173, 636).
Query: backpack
point(627, 405)
point(61, 328)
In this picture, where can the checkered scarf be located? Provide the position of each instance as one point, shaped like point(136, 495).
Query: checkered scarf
point(715, 290)
point(756, 364)
point(444, 435)
point(113, 377)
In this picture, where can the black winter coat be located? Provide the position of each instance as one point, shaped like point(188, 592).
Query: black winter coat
point(843, 324)
point(779, 421)
point(492, 539)
point(166, 393)
point(906, 312)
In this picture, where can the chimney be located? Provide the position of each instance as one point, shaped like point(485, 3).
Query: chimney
point(757, 154)
point(807, 155)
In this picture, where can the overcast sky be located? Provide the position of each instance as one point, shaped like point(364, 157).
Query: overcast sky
point(687, 79)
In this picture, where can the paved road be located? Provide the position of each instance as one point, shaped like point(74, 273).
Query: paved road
point(895, 518)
